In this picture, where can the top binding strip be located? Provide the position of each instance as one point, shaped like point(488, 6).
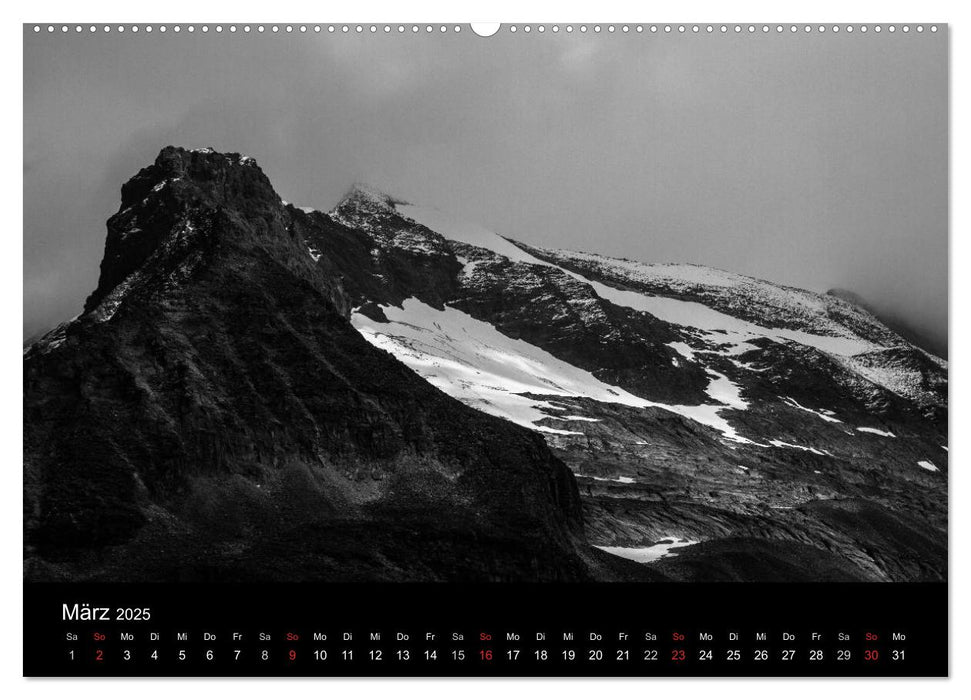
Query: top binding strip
point(511, 28)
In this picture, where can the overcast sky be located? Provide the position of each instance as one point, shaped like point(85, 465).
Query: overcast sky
point(813, 160)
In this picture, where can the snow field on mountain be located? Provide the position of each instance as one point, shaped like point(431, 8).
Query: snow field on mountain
point(728, 329)
point(730, 336)
point(843, 344)
point(473, 234)
point(472, 361)
point(721, 328)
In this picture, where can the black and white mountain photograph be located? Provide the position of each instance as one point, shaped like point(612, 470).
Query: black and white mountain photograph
point(403, 305)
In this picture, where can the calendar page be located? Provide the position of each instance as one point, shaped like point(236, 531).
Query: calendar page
point(485, 350)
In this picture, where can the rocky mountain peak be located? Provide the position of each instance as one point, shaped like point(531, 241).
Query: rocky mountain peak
point(214, 415)
point(363, 202)
point(212, 175)
point(166, 206)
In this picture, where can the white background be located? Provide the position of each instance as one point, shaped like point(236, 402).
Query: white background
point(509, 11)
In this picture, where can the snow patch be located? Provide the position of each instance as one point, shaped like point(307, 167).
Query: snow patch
point(822, 413)
point(780, 443)
point(645, 555)
point(619, 479)
point(929, 466)
point(580, 418)
point(682, 349)
point(877, 431)
point(723, 389)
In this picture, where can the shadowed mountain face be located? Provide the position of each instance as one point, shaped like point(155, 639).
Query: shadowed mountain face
point(214, 415)
point(258, 391)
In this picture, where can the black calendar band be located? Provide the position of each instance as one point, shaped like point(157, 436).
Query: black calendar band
point(499, 629)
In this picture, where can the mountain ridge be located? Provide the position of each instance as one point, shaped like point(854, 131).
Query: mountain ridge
point(751, 422)
point(858, 379)
point(897, 324)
